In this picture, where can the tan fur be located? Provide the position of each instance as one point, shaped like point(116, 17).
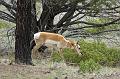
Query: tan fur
point(61, 41)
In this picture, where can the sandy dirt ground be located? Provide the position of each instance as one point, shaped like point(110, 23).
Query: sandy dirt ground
point(49, 70)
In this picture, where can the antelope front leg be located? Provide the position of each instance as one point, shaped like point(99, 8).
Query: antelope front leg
point(61, 54)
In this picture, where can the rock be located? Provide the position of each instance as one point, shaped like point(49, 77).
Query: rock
point(5, 61)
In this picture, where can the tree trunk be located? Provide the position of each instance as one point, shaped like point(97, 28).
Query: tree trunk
point(22, 32)
point(46, 20)
point(43, 18)
point(34, 27)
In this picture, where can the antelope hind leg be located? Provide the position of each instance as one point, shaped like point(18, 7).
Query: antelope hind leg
point(35, 51)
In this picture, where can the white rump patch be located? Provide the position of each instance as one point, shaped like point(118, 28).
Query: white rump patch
point(37, 35)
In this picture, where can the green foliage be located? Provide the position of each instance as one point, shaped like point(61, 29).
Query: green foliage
point(71, 56)
point(113, 56)
point(100, 21)
point(89, 65)
point(94, 54)
point(93, 51)
point(56, 57)
point(2, 25)
point(100, 53)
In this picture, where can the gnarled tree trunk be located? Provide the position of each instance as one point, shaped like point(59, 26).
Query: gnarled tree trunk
point(23, 32)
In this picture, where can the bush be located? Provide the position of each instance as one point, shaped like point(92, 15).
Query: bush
point(113, 56)
point(56, 57)
point(94, 54)
point(89, 66)
point(100, 53)
point(71, 56)
point(93, 51)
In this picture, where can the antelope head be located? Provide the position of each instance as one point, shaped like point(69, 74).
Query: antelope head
point(74, 45)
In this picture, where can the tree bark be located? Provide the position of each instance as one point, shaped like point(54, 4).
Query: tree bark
point(23, 32)
point(34, 27)
point(43, 18)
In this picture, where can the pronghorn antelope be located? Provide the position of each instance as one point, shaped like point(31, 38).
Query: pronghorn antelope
point(49, 39)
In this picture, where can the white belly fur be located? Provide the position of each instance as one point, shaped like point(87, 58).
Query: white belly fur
point(52, 43)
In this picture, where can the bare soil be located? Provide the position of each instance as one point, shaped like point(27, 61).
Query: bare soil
point(49, 70)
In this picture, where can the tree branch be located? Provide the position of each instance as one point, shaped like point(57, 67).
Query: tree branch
point(13, 12)
point(92, 24)
point(105, 31)
point(7, 17)
point(2, 2)
point(66, 16)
